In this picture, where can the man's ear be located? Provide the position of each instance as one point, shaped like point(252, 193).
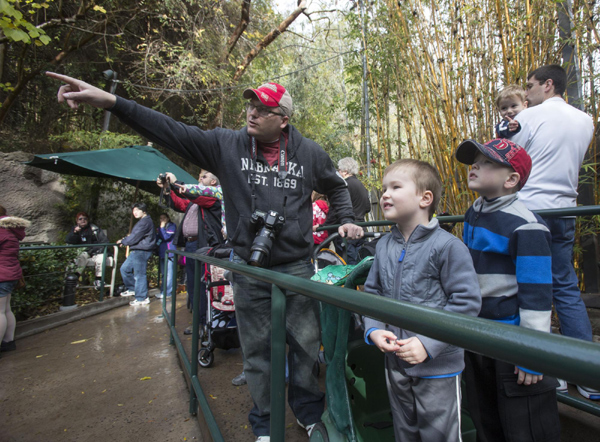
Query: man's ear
point(512, 180)
point(525, 104)
point(426, 199)
point(284, 122)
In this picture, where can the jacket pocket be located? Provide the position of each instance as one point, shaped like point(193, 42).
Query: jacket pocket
point(244, 233)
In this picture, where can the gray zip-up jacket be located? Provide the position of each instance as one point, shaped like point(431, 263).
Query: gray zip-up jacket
point(432, 268)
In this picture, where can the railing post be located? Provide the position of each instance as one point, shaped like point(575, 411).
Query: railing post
point(165, 274)
point(173, 305)
point(278, 333)
point(101, 297)
point(195, 326)
point(174, 276)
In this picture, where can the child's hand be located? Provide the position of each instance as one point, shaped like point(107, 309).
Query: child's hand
point(525, 378)
point(384, 340)
point(513, 125)
point(180, 188)
point(411, 350)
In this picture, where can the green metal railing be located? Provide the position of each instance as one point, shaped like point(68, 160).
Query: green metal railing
point(104, 255)
point(570, 359)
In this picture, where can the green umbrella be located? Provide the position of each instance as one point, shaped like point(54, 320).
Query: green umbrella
point(135, 165)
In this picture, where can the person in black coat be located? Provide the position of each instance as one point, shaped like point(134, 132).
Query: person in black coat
point(84, 232)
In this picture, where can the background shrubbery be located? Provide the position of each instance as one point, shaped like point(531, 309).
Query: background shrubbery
point(44, 272)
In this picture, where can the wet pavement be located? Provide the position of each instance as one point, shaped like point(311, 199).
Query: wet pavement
point(114, 376)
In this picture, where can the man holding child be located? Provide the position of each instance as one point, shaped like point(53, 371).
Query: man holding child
point(557, 135)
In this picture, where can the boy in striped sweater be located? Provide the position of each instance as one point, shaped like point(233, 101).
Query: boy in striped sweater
point(510, 247)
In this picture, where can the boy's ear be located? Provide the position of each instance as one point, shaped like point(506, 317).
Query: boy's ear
point(426, 199)
point(525, 104)
point(512, 181)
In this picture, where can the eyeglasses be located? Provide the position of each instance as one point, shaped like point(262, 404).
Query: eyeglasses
point(262, 111)
point(82, 219)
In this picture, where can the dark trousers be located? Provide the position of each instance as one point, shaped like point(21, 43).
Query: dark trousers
point(503, 410)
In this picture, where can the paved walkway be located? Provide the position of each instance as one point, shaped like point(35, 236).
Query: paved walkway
point(83, 382)
point(112, 376)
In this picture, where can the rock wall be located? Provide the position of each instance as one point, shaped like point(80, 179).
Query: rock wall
point(33, 194)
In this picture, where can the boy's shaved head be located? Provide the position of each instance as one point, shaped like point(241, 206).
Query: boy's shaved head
point(424, 175)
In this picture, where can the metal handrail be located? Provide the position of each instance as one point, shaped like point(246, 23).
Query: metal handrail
point(75, 246)
point(546, 213)
point(570, 359)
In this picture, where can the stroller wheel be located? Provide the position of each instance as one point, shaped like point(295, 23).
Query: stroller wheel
point(205, 357)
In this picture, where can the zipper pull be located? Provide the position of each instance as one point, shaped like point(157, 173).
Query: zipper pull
point(402, 255)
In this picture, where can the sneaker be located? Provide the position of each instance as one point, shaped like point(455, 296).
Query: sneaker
point(309, 428)
point(240, 379)
point(97, 284)
point(263, 439)
point(188, 330)
point(562, 386)
point(142, 302)
point(159, 296)
point(589, 393)
point(8, 346)
point(128, 293)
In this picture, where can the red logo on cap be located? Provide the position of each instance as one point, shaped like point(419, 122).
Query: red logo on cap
point(501, 145)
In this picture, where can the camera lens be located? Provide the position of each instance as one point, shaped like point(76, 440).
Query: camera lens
point(261, 248)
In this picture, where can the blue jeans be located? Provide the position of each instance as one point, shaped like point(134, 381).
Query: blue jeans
point(170, 270)
point(133, 272)
point(192, 246)
point(253, 313)
point(573, 317)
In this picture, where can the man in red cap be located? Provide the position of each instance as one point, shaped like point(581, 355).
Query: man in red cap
point(268, 171)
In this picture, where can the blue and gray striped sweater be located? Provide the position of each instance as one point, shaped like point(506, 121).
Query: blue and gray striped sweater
point(510, 247)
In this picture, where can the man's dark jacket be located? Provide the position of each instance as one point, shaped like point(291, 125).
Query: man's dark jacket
point(91, 234)
point(360, 198)
point(228, 154)
point(142, 236)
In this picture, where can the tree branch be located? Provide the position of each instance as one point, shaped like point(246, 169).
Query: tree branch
point(267, 40)
point(238, 31)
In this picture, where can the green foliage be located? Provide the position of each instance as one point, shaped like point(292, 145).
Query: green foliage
point(77, 140)
point(14, 25)
point(44, 272)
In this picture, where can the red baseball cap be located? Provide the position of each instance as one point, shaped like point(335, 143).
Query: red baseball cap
point(499, 150)
point(272, 95)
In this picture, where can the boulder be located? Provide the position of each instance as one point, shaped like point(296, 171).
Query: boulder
point(33, 194)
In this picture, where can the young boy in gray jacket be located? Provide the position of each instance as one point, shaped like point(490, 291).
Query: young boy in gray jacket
point(419, 262)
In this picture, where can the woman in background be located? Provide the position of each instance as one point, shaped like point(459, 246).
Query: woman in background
point(12, 230)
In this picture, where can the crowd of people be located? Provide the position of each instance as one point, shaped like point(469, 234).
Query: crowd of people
point(269, 174)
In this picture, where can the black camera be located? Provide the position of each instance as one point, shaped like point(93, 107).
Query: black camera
point(268, 226)
point(163, 178)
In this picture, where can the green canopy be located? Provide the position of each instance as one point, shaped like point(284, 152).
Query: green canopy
point(135, 165)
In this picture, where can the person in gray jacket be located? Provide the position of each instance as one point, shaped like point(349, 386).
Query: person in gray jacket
point(141, 242)
point(420, 263)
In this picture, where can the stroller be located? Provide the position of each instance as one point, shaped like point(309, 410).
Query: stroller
point(220, 330)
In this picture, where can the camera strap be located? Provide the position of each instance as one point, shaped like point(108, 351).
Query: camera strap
point(281, 168)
